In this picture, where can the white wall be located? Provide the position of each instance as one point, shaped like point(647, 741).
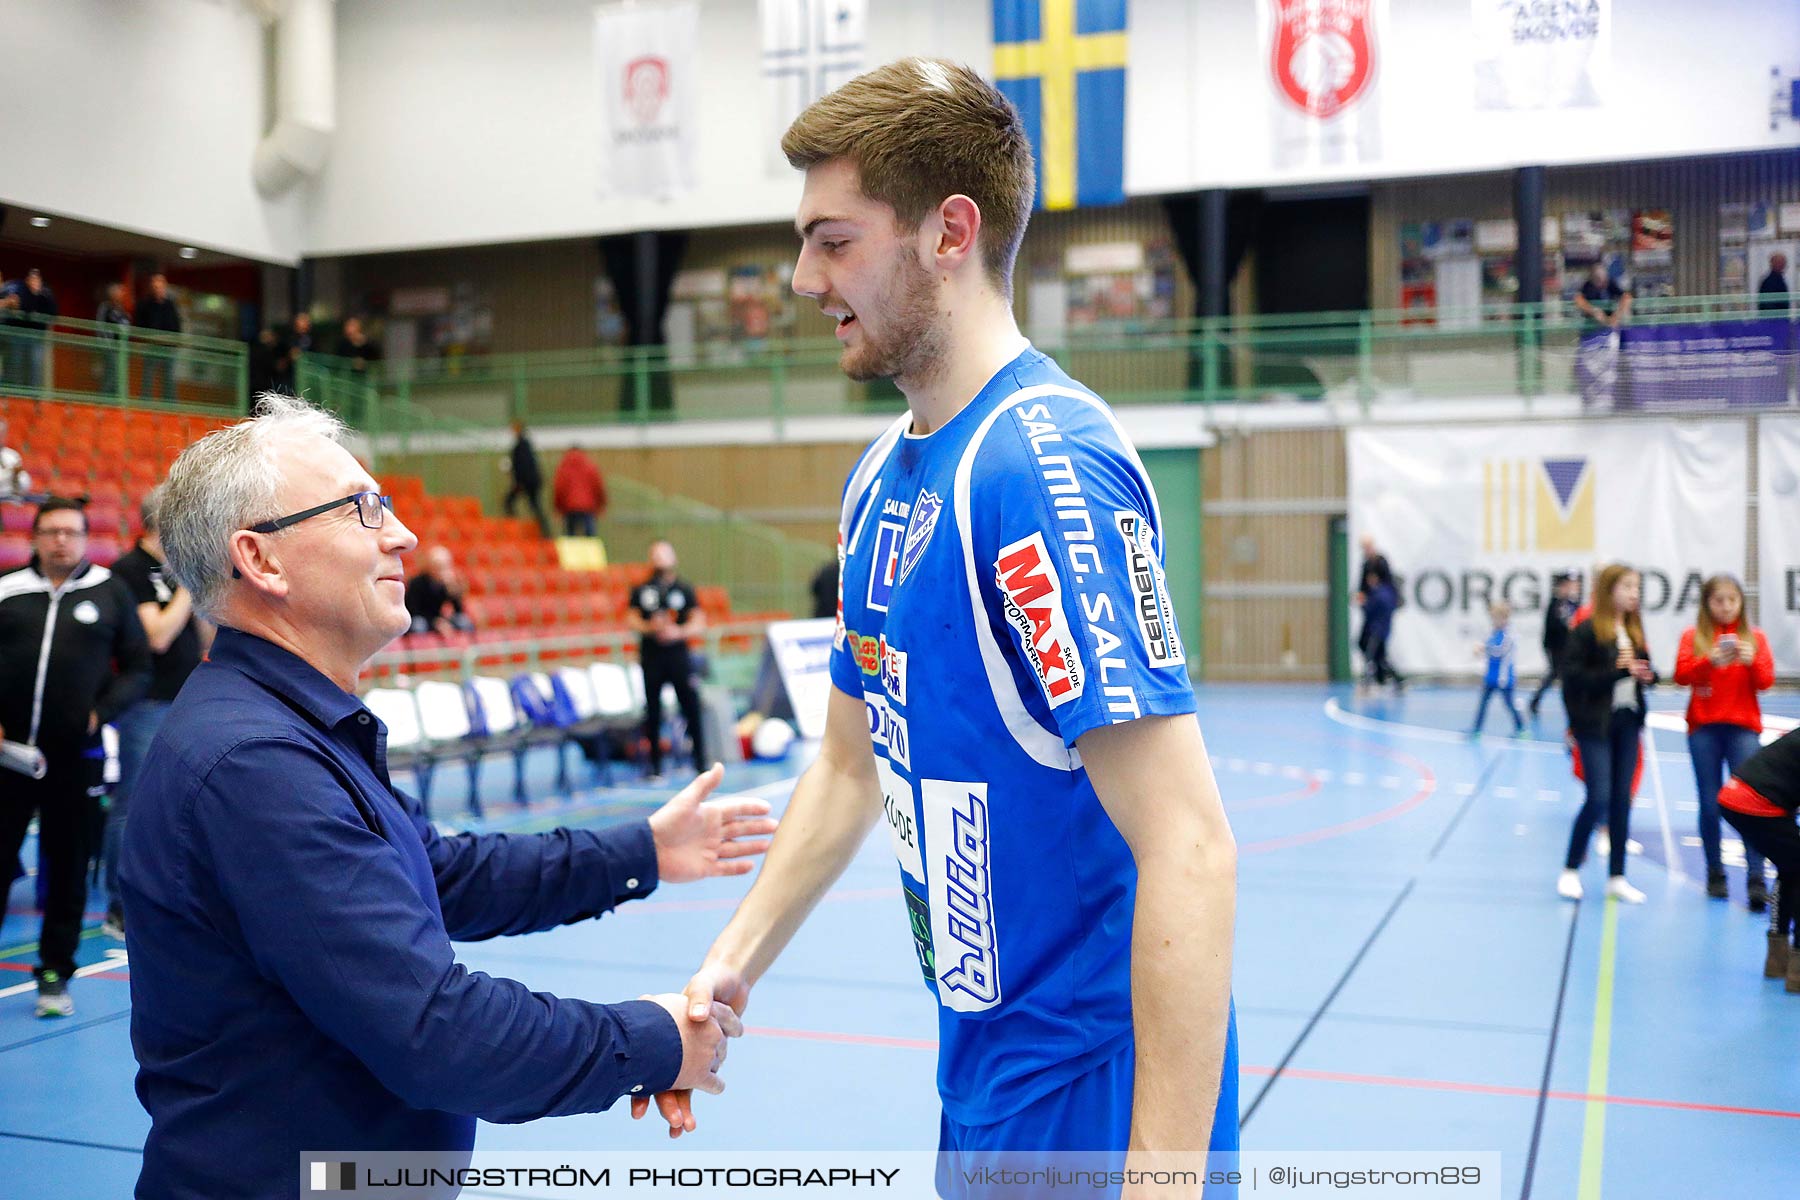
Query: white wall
point(472, 121)
point(1687, 78)
point(142, 115)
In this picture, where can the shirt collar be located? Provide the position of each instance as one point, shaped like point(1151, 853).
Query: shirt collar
point(286, 673)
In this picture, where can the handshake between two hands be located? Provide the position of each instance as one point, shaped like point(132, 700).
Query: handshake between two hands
point(708, 1015)
point(696, 839)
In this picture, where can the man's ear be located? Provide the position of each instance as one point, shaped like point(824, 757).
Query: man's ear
point(957, 224)
point(254, 560)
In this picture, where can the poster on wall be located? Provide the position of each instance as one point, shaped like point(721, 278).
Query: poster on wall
point(648, 57)
point(1325, 62)
point(1118, 284)
point(1778, 491)
point(1652, 252)
point(809, 48)
point(1532, 55)
point(1473, 515)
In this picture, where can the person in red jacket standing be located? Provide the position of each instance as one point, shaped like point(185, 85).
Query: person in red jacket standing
point(1726, 663)
point(579, 493)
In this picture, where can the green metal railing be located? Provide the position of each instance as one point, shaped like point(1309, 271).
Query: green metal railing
point(1519, 350)
point(71, 359)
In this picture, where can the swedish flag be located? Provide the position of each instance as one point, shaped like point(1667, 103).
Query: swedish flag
point(1062, 63)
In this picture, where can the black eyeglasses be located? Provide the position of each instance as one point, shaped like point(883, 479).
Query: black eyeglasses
point(371, 508)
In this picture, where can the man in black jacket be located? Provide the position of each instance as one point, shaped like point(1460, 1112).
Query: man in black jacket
point(51, 708)
point(1565, 595)
point(157, 311)
point(37, 304)
point(527, 477)
point(1760, 802)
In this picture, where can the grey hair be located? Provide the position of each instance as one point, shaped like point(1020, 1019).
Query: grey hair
point(225, 482)
point(151, 506)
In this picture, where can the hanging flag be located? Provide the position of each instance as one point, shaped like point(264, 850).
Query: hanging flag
point(1062, 64)
point(1534, 55)
point(809, 47)
point(649, 76)
point(1324, 68)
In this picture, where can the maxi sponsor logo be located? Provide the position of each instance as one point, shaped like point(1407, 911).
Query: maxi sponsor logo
point(961, 886)
point(1149, 592)
point(1075, 527)
point(1032, 596)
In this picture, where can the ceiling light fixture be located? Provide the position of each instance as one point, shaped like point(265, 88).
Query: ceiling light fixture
point(189, 252)
point(40, 222)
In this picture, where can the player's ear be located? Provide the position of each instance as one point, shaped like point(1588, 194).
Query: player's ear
point(958, 221)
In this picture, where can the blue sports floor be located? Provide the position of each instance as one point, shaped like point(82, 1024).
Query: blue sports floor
point(1406, 977)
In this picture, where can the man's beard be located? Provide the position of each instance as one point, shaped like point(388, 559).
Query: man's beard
point(912, 345)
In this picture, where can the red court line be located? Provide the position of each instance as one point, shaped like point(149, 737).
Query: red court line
point(1427, 785)
point(1393, 1081)
point(1311, 788)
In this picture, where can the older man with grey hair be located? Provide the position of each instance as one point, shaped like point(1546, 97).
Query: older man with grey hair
point(293, 984)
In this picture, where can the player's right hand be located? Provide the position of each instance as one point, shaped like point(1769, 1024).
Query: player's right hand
point(712, 987)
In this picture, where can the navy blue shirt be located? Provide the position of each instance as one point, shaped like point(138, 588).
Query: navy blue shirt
point(293, 985)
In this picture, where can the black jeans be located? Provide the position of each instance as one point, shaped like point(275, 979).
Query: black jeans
point(1550, 678)
point(671, 664)
point(60, 800)
point(1778, 840)
point(530, 495)
point(1609, 763)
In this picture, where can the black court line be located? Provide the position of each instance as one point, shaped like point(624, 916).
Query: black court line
point(1468, 803)
point(1562, 990)
point(66, 1030)
point(1326, 1003)
point(32, 1137)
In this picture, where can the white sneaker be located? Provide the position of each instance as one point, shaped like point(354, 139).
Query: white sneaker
point(1568, 885)
point(1603, 843)
point(1618, 889)
point(1633, 846)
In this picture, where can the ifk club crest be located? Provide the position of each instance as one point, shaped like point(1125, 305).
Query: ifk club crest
point(1323, 58)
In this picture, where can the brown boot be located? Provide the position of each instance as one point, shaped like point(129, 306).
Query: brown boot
point(1775, 966)
point(1793, 973)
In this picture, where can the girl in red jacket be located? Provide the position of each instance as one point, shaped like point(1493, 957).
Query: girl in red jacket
point(1725, 662)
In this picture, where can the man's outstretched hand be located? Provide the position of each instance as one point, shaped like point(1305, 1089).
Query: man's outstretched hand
point(697, 838)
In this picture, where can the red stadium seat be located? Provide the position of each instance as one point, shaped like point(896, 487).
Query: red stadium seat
point(15, 551)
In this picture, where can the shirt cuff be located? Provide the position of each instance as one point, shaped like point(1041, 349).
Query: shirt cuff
point(631, 863)
point(649, 1048)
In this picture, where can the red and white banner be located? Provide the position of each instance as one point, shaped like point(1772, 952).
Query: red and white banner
point(649, 64)
point(1325, 62)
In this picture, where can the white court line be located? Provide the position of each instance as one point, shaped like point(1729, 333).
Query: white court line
point(1335, 712)
point(115, 960)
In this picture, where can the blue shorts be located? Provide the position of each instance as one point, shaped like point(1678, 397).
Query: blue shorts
point(1091, 1113)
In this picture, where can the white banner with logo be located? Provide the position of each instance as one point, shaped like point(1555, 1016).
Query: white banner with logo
point(1778, 525)
point(649, 67)
point(1529, 54)
point(1325, 61)
point(1472, 515)
point(809, 48)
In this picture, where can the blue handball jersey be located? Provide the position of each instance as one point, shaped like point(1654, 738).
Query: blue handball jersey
point(1002, 594)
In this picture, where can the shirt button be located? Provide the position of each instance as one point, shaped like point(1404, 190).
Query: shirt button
point(638, 1088)
point(631, 883)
